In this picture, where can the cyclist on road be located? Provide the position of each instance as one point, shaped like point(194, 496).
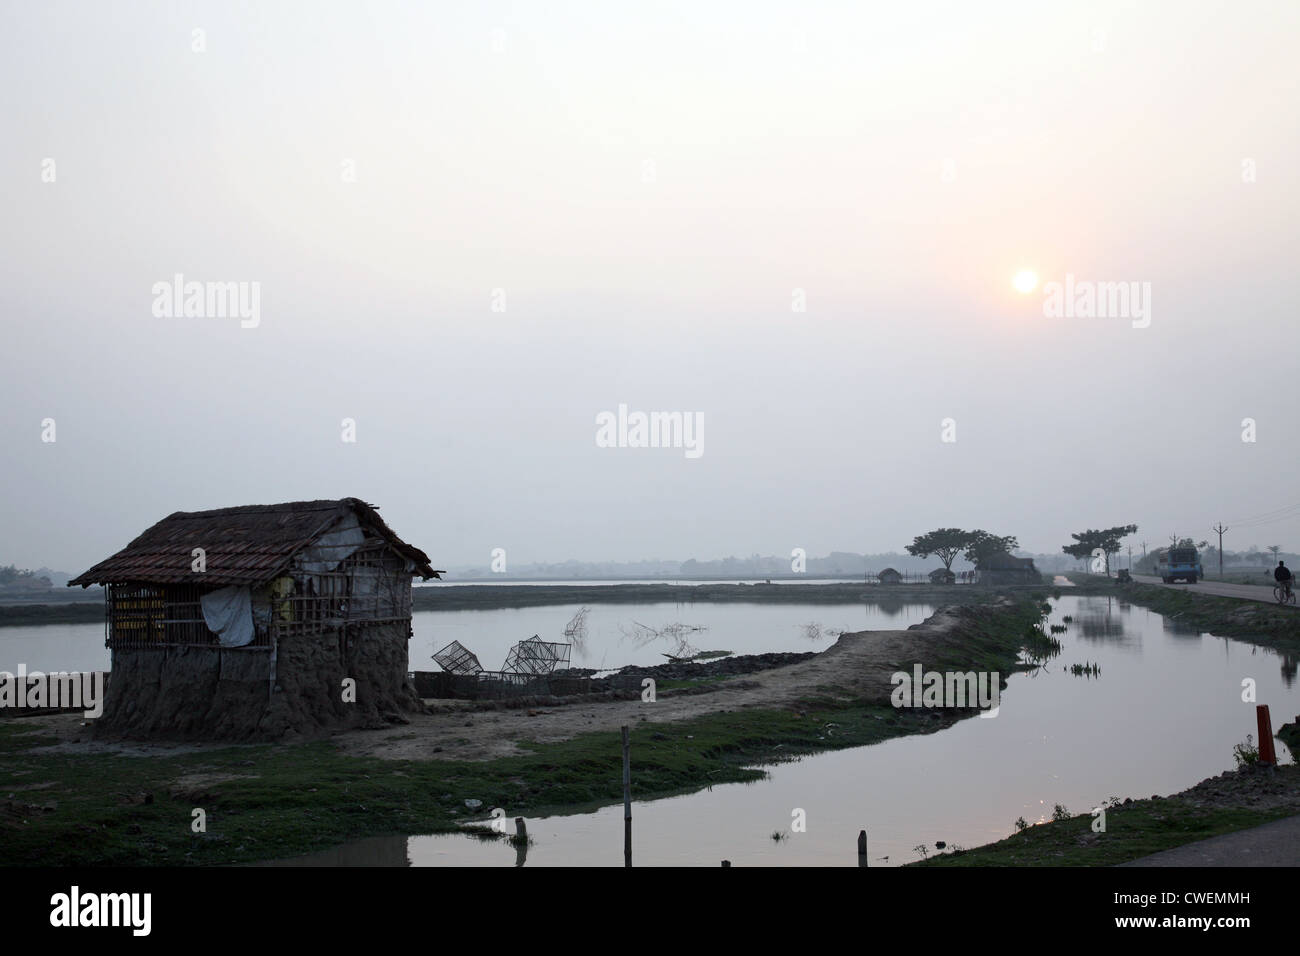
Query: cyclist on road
point(1282, 575)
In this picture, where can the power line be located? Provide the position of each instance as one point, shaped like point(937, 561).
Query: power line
point(1268, 517)
point(1265, 524)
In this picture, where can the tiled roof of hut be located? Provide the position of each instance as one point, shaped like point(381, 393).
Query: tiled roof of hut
point(245, 545)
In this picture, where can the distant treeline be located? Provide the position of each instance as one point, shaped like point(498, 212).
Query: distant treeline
point(835, 564)
point(486, 596)
point(13, 615)
point(12, 576)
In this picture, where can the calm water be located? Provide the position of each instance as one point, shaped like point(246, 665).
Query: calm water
point(621, 634)
point(604, 582)
point(1163, 715)
point(616, 633)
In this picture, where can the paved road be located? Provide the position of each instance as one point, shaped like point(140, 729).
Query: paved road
point(1273, 844)
point(1251, 592)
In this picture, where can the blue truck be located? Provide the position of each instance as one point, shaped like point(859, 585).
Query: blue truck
point(1181, 564)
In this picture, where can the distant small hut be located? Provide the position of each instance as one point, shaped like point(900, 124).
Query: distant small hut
point(942, 576)
point(1003, 568)
point(889, 576)
point(258, 622)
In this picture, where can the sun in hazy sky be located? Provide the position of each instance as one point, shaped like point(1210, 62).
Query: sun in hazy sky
point(1026, 281)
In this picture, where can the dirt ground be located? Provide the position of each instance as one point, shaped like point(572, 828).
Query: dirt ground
point(857, 666)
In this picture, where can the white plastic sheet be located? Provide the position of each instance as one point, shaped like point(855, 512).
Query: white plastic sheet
point(325, 553)
point(228, 612)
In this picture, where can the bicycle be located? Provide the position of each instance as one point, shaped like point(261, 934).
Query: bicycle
point(1283, 593)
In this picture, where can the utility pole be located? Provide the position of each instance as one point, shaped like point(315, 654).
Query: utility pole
point(627, 800)
point(1144, 550)
point(1220, 529)
point(1130, 557)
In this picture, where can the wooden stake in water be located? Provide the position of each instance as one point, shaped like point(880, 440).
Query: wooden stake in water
point(862, 848)
point(627, 799)
point(521, 841)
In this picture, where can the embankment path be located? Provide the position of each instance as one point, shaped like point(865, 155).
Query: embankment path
point(1249, 592)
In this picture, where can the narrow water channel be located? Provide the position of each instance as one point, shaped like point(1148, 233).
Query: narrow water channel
point(1163, 713)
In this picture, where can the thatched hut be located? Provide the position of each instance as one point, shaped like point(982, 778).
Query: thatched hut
point(259, 621)
point(889, 576)
point(1002, 569)
point(942, 576)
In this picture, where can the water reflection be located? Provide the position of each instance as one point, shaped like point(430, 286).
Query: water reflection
point(485, 849)
point(738, 628)
point(1288, 669)
point(1178, 628)
point(1102, 619)
point(1158, 721)
point(612, 633)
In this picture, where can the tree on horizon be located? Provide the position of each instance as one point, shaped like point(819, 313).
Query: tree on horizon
point(1106, 540)
point(983, 545)
point(944, 543)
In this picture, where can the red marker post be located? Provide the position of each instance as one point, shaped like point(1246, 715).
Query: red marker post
point(1267, 756)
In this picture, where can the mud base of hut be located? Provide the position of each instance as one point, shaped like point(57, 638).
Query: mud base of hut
point(208, 693)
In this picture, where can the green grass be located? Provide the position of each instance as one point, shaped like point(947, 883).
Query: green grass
point(294, 799)
point(1137, 830)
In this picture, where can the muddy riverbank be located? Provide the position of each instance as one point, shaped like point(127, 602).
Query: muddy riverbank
point(73, 799)
point(856, 670)
point(1135, 828)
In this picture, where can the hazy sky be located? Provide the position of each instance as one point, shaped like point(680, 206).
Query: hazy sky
point(646, 189)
